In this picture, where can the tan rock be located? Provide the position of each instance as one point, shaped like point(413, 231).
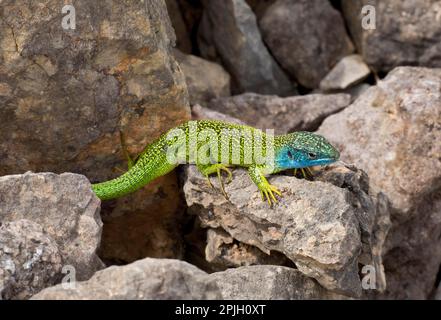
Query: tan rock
point(205, 80)
point(148, 279)
point(325, 227)
point(67, 94)
point(393, 131)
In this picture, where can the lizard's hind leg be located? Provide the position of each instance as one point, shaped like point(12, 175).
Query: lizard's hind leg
point(130, 162)
point(208, 169)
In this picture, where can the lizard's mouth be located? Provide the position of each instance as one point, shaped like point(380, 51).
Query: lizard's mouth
point(324, 161)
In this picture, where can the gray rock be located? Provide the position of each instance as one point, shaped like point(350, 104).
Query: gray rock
point(347, 72)
point(183, 41)
point(307, 37)
point(201, 113)
point(281, 114)
point(67, 94)
point(146, 223)
point(393, 131)
point(205, 80)
point(223, 251)
point(29, 260)
point(269, 283)
point(229, 33)
point(407, 32)
point(325, 229)
point(106, 77)
point(357, 90)
point(147, 279)
point(259, 6)
point(66, 209)
point(438, 293)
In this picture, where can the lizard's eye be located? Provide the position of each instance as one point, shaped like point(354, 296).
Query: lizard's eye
point(289, 153)
point(312, 155)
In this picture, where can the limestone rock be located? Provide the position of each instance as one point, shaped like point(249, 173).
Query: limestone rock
point(223, 251)
point(405, 32)
point(438, 293)
point(259, 6)
point(183, 40)
point(147, 279)
point(72, 90)
point(66, 209)
point(69, 93)
point(281, 114)
point(325, 229)
point(268, 283)
point(201, 113)
point(392, 131)
point(229, 33)
point(347, 72)
point(131, 232)
point(307, 37)
point(205, 80)
point(29, 259)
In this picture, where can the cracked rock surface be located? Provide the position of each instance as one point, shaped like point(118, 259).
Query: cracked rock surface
point(325, 227)
point(66, 95)
point(393, 132)
point(48, 221)
point(147, 279)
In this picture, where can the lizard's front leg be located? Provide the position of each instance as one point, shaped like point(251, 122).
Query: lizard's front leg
point(266, 189)
point(208, 169)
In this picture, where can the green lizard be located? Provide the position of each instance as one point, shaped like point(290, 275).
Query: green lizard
point(214, 146)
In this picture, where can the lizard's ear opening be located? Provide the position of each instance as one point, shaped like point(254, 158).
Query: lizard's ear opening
point(290, 155)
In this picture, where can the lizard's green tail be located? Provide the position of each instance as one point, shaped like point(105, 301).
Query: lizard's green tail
point(151, 164)
point(118, 187)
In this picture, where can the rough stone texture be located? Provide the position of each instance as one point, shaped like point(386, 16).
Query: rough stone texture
point(183, 40)
point(281, 114)
point(223, 252)
point(200, 113)
point(347, 72)
point(259, 6)
point(393, 131)
point(67, 94)
point(269, 283)
point(408, 32)
point(205, 80)
point(325, 229)
point(192, 13)
point(438, 293)
point(148, 279)
point(229, 33)
point(357, 90)
point(66, 209)
point(131, 232)
point(29, 259)
point(307, 38)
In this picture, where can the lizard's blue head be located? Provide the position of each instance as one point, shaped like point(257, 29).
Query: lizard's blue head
point(303, 149)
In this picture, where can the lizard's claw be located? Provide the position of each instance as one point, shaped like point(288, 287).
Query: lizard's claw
point(306, 173)
point(267, 192)
point(230, 177)
point(228, 171)
point(209, 181)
